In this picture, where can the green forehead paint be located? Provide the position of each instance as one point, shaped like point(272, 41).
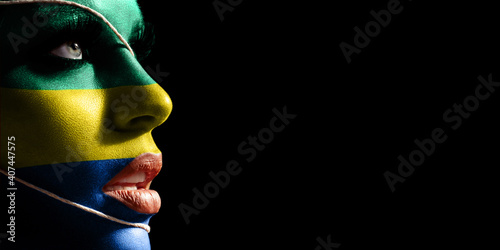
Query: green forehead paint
point(99, 15)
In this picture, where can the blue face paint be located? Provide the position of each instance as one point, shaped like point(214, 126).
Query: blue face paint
point(68, 224)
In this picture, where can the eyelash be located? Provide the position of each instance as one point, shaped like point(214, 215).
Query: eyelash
point(61, 63)
point(85, 31)
point(44, 58)
point(143, 42)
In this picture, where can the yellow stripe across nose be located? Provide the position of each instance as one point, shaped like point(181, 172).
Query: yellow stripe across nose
point(59, 126)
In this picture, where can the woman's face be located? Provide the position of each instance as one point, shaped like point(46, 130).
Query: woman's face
point(81, 109)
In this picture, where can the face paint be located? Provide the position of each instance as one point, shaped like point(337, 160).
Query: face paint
point(82, 110)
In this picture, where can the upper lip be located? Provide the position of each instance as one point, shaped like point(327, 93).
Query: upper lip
point(138, 174)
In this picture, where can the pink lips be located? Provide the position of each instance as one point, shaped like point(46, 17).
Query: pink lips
point(131, 185)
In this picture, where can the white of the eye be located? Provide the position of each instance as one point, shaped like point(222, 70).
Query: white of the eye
point(70, 50)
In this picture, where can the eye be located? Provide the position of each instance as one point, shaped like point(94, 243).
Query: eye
point(70, 50)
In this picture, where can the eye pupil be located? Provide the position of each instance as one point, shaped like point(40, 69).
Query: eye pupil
point(69, 49)
point(75, 46)
point(75, 49)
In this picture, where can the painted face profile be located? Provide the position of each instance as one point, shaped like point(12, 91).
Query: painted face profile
point(78, 108)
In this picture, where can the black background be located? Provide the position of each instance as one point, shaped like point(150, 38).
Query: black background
point(323, 175)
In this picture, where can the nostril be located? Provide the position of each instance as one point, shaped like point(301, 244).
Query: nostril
point(141, 121)
point(145, 113)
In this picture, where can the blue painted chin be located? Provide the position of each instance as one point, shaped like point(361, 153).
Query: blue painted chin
point(46, 223)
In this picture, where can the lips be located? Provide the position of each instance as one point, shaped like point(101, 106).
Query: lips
point(131, 185)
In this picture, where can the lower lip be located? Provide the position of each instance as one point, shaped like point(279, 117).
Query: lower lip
point(142, 200)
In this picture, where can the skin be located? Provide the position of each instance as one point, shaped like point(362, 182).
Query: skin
point(77, 127)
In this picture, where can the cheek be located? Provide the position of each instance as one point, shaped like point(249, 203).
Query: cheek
point(60, 126)
point(52, 125)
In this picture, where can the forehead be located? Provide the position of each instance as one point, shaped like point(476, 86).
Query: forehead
point(122, 14)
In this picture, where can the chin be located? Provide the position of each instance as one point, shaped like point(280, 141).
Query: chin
point(43, 222)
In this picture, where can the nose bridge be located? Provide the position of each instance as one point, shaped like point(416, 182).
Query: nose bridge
point(122, 69)
point(135, 101)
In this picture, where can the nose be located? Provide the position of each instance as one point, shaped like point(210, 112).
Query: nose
point(140, 108)
point(135, 101)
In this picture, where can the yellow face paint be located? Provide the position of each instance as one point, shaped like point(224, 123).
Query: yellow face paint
point(57, 126)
